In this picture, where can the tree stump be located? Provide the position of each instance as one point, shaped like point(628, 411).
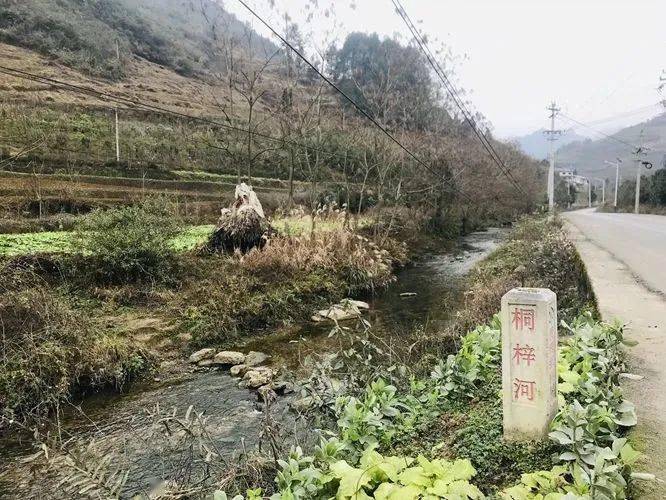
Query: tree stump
point(241, 227)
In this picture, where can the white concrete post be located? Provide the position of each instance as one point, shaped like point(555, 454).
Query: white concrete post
point(529, 362)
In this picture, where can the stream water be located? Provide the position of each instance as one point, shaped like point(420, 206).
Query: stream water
point(146, 429)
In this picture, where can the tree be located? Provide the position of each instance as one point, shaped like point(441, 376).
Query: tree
point(657, 188)
point(382, 76)
point(565, 193)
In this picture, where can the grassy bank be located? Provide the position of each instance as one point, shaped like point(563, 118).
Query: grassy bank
point(441, 437)
point(127, 288)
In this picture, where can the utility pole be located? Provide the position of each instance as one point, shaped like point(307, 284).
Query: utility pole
point(116, 111)
point(615, 164)
point(552, 137)
point(640, 151)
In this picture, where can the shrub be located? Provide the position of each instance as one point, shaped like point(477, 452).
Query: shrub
point(538, 254)
point(50, 352)
point(130, 243)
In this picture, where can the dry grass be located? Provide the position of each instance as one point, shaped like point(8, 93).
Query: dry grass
point(538, 254)
point(360, 261)
point(49, 351)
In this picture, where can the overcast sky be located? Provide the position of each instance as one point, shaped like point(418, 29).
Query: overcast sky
point(596, 58)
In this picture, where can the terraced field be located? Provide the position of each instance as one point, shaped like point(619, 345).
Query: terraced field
point(12, 245)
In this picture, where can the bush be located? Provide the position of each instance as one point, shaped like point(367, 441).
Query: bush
point(50, 352)
point(130, 243)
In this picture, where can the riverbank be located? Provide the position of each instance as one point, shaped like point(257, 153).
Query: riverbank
point(438, 278)
point(138, 305)
point(409, 333)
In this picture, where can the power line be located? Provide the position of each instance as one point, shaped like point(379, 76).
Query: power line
point(620, 141)
point(339, 90)
point(452, 91)
point(625, 114)
point(133, 103)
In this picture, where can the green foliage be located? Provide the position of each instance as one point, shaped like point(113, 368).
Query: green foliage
point(586, 437)
point(130, 243)
point(590, 423)
point(657, 187)
point(550, 484)
point(497, 462)
point(653, 191)
point(462, 374)
point(371, 476)
point(592, 418)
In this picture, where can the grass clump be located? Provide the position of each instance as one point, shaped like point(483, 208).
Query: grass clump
point(498, 462)
point(537, 254)
point(50, 352)
point(220, 301)
point(224, 297)
point(360, 263)
point(130, 243)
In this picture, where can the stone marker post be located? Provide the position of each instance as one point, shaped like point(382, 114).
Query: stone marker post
point(529, 362)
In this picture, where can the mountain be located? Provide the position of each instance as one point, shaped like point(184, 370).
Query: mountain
point(537, 146)
point(588, 157)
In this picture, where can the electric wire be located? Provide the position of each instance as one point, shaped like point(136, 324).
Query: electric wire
point(608, 136)
point(345, 95)
point(454, 95)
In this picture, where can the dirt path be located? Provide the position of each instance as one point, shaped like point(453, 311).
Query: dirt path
point(621, 294)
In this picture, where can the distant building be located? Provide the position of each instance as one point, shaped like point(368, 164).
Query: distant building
point(573, 178)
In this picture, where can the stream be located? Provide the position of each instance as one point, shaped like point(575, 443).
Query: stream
point(226, 419)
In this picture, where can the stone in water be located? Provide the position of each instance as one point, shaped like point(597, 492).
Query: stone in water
point(529, 362)
point(229, 358)
point(201, 355)
point(255, 358)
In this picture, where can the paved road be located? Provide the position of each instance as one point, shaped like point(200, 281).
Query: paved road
point(626, 261)
point(639, 241)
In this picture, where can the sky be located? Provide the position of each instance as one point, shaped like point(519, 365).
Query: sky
point(595, 58)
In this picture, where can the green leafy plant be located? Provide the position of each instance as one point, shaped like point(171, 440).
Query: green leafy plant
point(592, 419)
point(474, 364)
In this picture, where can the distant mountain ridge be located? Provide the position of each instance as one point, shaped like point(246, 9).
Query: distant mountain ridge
point(588, 157)
point(537, 145)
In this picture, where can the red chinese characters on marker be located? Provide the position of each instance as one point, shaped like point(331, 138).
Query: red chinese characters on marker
point(524, 389)
point(523, 319)
point(524, 354)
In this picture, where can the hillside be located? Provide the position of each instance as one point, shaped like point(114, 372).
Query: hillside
point(537, 146)
point(588, 156)
point(237, 110)
point(178, 34)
